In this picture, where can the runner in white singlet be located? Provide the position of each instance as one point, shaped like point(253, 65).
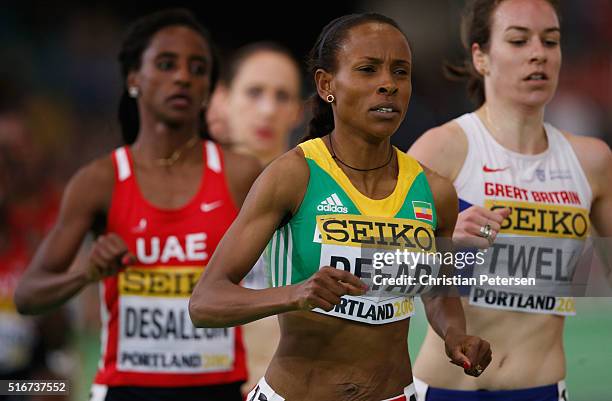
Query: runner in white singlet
point(547, 188)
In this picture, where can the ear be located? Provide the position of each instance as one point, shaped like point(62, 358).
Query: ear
point(480, 59)
point(324, 82)
point(132, 79)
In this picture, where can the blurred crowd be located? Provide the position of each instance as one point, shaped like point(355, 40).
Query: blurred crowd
point(60, 86)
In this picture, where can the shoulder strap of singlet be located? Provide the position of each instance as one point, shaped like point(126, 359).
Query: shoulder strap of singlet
point(560, 144)
point(123, 168)
point(213, 156)
point(315, 149)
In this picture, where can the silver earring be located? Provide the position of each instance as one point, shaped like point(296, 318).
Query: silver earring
point(330, 98)
point(134, 91)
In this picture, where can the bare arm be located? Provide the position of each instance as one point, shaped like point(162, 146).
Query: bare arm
point(48, 282)
point(218, 300)
point(596, 160)
point(445, 312)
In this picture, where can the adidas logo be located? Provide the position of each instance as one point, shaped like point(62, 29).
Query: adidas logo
point(332, 204)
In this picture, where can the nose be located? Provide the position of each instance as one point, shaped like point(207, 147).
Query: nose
point(538, 52)
point(266, 105)
point(182, 75)
point(388, 87)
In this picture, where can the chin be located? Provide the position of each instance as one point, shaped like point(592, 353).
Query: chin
point(178, 118)
point(382, 131)
point(536, 100)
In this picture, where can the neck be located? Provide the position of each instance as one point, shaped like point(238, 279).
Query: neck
point(360, 151)
point(158, 140)
point(519, 129)
point(264, 157)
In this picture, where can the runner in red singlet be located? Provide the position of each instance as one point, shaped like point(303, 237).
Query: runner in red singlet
point(159, 206)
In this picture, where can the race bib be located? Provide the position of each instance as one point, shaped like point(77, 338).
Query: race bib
point(542, 243)
point(155, 331)
point(350, 242)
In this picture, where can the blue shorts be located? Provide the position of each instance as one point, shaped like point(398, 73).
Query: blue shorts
point(552, 392)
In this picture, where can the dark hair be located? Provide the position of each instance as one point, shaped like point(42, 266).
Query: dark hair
point(11, 97)
point(324, 55)
point(244, 53)
point(476, 24)
point(130, 57)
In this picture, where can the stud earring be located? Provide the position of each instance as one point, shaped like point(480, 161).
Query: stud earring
point(330, 98)
point(134, 91)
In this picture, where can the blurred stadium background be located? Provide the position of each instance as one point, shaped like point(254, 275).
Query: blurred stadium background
point(59, 67)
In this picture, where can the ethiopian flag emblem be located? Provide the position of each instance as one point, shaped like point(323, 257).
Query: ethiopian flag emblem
point(422, 211)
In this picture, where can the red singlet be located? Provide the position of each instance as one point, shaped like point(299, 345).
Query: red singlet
point(148, 339)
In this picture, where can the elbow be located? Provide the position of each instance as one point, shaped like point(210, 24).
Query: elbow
point(23, 302)
point(203, 314)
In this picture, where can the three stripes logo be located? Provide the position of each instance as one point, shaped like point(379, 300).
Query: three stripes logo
point(332, 204)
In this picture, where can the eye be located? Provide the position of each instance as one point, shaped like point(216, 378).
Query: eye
point(165, 64)
point(518, 42)
point(198, 68)
point(282, 96)
point(254, 92)
point(367, 68)
point(551, 42)
point(401, 71)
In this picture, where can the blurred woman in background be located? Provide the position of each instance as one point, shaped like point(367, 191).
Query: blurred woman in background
point(263, 100)
point(261, 105)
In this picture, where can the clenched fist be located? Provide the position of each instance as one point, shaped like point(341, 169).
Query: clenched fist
point(472, 353)
point(108, 255)
point(324, 289)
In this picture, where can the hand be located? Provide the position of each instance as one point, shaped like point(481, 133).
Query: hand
point(324, 289)
point(472, 353)
point(108, 255)
point(471, 220)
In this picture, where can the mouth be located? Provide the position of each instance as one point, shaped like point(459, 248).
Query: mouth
point(264, 133)
point(536, 76)
point(180, 100)
point(385, 108)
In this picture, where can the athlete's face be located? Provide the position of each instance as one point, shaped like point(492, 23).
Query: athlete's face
point(524, 57)
point(174, 77)
point(372, 82)
point(264, 103)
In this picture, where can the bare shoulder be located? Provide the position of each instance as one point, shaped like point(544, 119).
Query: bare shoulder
point(241, 172)
point(293, 161)
point(443, 149)
point(88, 193)
point(285, 180)
point(94, 181)
point(595, 158)
point(290, 171)
point(593, 153)
point(445, 199)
